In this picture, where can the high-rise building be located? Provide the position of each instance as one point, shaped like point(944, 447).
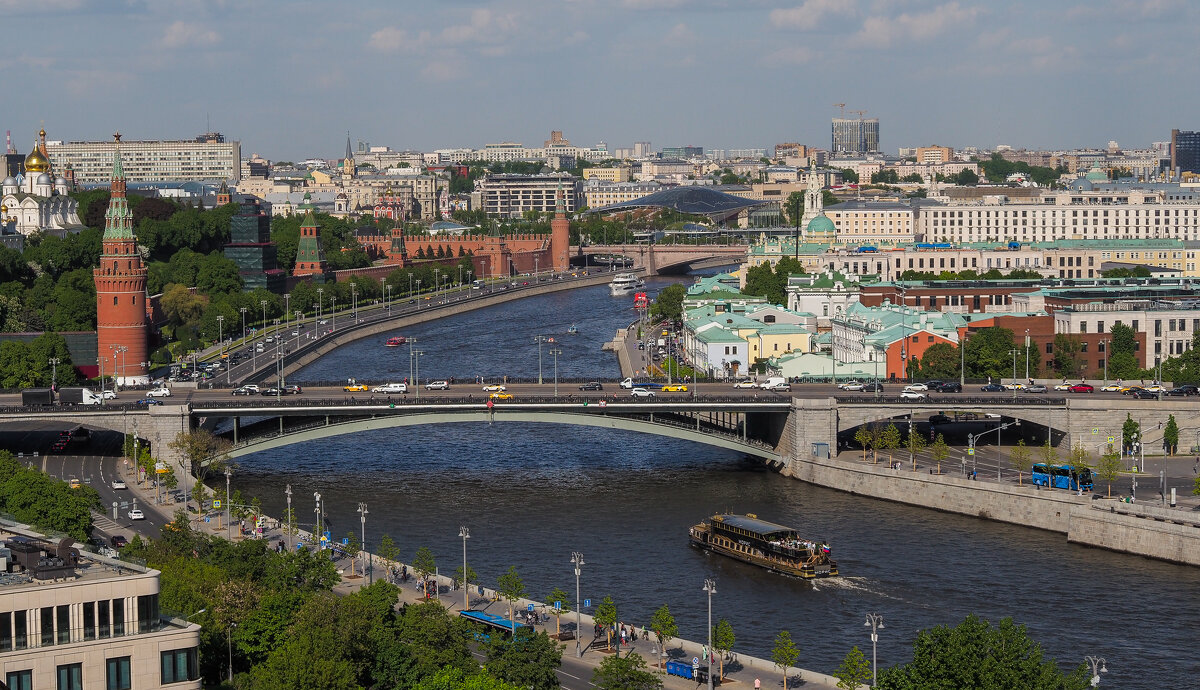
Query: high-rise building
point(121, 288)
point(642, 149)
point(251, 248)
point(1185, 151)
point(151, 161)
point(855, 136)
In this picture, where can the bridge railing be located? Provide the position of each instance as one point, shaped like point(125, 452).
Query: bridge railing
point(951, 400)
point(680, 399)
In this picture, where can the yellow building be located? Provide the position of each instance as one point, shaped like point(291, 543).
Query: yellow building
point(617, 174)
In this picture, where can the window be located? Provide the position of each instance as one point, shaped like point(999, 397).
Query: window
point(1049, 348)
point(64, 624)
point(118, 617)
point(19, 680)
point(70, 677)
point(102, 610)
point(47, 626)
point(148, 618)
point(118, 674)
point(179, 665)
point(89, 620)
point(20, 630)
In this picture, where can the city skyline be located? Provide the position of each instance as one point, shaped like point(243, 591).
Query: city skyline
point(289, 79)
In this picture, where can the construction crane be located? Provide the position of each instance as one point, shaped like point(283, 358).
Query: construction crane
point(860, 113)
point(843, 108)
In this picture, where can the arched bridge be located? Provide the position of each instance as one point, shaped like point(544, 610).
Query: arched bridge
point(670, 258)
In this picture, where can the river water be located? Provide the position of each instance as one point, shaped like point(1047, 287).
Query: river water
point(533, 493)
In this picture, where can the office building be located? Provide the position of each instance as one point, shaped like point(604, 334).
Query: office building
point(1185, 151)
point(150, 161)
point(251, 248)
point(855, 136)
point(510, 196)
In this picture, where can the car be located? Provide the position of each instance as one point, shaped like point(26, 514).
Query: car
point(1185, 389)
point(243, 390)
point(75, 483)
point(641, 393)
point(916, 387)
point(1036, 388)
point(322, 322)
point(291, 390)
point(1146, 394)
point(1083, 388)
point(119, 484)
point(674, 388)
point(591, 386)
point(853, 386)
point(269, 339)
point(391, 388)
point(494, 388)
point(296, 332)
point(149, 401)
point(271, 391)
point(437, 386)
point(108, 395)
point(1064, 386)
point(939, 418)
point(136, 514)
point(950, 387)
point(1130, 390)
point(1156, 388)
point(1110, 388)
point(118, 541)
point(912, 395)
point(500, 395)
point(160, 392)
point(355, 387)
point(747, 383)
point(934, 384)
point(992, 388)
point(1014, 386)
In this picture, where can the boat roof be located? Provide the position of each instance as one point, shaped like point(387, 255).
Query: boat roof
point(752, 524)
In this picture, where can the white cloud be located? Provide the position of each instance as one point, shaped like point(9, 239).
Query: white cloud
point(883, 32)
point(653, 4)
point(38, 6)
point(680, 34)
point(181, 34)
point(808, 16)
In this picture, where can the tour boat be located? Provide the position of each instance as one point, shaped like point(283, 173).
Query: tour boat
point(573, 330)
point(625, 283)
point(765, 544)
point(396, 341)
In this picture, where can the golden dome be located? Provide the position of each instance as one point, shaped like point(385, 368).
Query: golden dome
point(35, 162)
point(3, 210)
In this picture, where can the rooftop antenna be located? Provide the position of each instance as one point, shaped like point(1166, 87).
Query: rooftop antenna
point(8, 147)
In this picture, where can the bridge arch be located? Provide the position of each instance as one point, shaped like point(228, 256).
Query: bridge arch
point(258, 444)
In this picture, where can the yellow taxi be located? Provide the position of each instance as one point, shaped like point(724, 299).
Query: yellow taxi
point(75, 483)
point(674, 388)
point(501, 396)
point(355, 387)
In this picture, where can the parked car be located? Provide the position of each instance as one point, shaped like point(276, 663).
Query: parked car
point(1036, 388)
point(992, 388)
point(912, 395)
point(641, 393)
point(1185, 389)
point(160, 392)
point(939, 418)
point(437, 386)
point(1112, 388)
point(271, 391)
point(1083, 388)
point(591, 386)
point(391, 388)
point(136, 514)
point(1014, 386)
point(950, 387)
point(747, 383)
point(118, 541)
point(244, 390)
point(674, 388)
point(872, 387)
point(1131, 390)
point(1156, 388)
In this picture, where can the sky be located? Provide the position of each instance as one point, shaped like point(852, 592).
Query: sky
point(290, 79)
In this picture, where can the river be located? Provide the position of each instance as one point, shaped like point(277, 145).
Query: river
point(533, 493)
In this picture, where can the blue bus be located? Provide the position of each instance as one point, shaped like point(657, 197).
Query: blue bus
point(1065, 476)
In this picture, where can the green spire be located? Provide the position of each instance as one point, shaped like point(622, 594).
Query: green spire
point(118, 219)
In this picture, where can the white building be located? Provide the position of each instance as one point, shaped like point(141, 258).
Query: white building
point(150, 161)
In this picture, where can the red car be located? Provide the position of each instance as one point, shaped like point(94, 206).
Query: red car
point(1082, 388)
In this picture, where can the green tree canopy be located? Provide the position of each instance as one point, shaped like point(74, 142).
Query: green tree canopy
point(854, 671)
point(940, 361)
point(625, 673)
point(669, 302)
point(511, 587)
point(784, 654)
point(988, 353)
point(528, 660)
point(664, 627)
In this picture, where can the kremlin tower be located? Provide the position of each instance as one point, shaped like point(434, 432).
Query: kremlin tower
point(560, 235)
point(121, 331)
point(310, 259)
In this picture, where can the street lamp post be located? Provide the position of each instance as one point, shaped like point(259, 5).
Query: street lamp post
point(362, 516)
point(710, 588)
point(577, 559)
point(465, 534)
point(539, 339)
point(1013, 352)
point(320, 302)
point(243, 311)
point(228, 512)
point(54, 362)
point(354, 300)
point(221, 345)
point(417, 354)
point(410, 292)
point(1098, 666)
point(229, 648)
point(288, 517)
point(972, 438)
point(875, 622)
point(263, 302)
point(287, 309)
point(317, 523)
point(333, 311)
point(556, 352)
point(1026, 354)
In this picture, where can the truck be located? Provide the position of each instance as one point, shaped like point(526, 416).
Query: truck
point(37, 396)
point(776, 383)
point(648, 385)
point(78, 396)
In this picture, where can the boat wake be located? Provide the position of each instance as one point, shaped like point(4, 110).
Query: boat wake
point(856, 585)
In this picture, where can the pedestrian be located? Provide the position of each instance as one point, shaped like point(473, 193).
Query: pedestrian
point(757, 684)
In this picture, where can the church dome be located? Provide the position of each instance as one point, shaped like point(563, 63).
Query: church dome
point(821, 224)
point(35, 162)
point(42, 179)
point(1097, 175)
point(9, 182)
point(58, 181)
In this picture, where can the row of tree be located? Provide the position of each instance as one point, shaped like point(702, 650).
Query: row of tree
point(48, 504)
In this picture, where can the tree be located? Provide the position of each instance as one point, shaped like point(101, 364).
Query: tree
point(864, 437)
point(1048, 456)
point(854, 671)
point(1021, 458)
point(940, 361)
point(793, 208)
point(988, 353)
point(563, 601)
point(1122, 358)
point(1109, 468)
point(849, 175)
point(424, 565)
point(889, 440)
point(915, 443)
point(528, 660)
point(511, 587)
point(1067, 361)
point(723, 640)
point(1129, 430)
point(1171, 436)
point(664, 627)
point(975, 654)
point(1079, 456)
point(784, 654)
point(471, 576)
point(669, 302)
point(606, 617)
point(939, 451)
point(388, 550)
point(625, 673)
point(352, 549)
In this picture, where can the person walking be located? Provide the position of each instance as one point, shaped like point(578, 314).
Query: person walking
point(757, 684)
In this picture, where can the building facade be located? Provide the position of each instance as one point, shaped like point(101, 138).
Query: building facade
point(855, 136)
point(150, 161)
point(1185, 151)
point(510, 196)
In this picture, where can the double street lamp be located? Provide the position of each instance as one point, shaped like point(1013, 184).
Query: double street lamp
point(875, 622)
point(465, 534)
point(556, 352)
point(710, 588)
point(362, 516)
point(577, 560)
point(1098, 666)
point(972, 438)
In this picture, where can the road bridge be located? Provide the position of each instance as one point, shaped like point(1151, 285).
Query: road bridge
point(659, 259)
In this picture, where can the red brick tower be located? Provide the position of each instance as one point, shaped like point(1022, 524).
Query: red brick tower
point(121, 331)
point(560, 234)
point(223, 195)
point(310, 258)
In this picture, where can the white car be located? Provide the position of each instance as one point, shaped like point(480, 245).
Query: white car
point(641, 393)
point(1064, 386)
point(391, 388)
point(745, 384)
point(854, 386)
point(437, 386)
point(1156, 388)
point(911, 395)
point(160, 392)
point(494, 388)
point(136, 514)
point(919, 387)
point(108, 395)
point(1110, 388)
point(119, 484)
point(1015, 386)
point(253, 388)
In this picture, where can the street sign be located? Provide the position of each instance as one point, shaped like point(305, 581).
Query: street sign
point(695, 661)
point(970, 451)
point(529, 607)
point(558, 606)
point(587, 602)
point(1111, 439)
point(1095, 430)
point(217, 503)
